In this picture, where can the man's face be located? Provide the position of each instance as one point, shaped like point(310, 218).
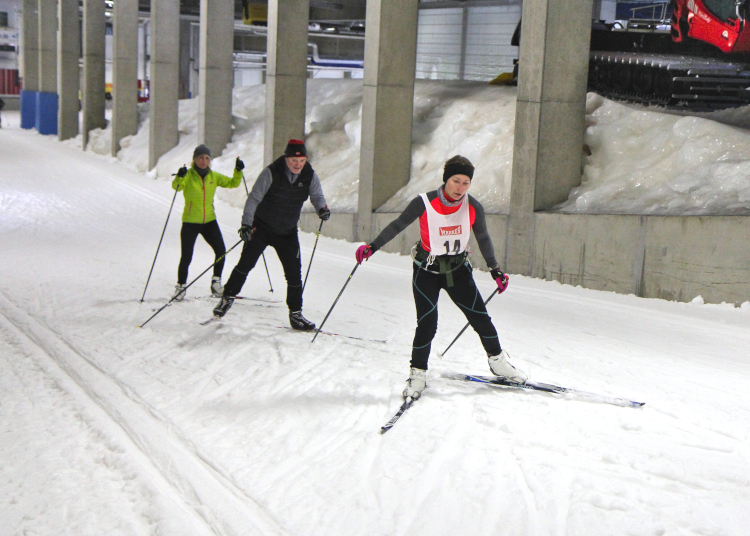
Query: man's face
point(295, 163)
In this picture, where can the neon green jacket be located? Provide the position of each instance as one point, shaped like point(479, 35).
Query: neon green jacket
point(199, 193)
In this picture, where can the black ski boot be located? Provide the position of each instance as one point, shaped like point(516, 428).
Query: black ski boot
point(224, 305)
point(299, 322)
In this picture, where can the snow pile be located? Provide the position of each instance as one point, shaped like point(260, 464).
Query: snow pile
point(642, 161)
point(472, 119)
point(645, 162)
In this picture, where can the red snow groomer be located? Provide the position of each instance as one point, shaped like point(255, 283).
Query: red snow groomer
point(695, 54)
point(720, 23)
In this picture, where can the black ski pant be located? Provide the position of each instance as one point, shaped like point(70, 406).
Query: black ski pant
point(287, 248)
point(426, 287)
point(212, 234)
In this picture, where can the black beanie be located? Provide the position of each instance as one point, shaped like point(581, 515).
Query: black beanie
point(457, 168)
point(295, 148)
point(201, 149)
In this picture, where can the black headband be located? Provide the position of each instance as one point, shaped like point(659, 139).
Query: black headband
point(457, 168)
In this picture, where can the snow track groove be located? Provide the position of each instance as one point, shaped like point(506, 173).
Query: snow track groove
point(189, 481)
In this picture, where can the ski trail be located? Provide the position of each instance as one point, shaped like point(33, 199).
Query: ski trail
point(170, 461)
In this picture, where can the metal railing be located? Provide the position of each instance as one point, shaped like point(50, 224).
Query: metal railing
point(661, 8)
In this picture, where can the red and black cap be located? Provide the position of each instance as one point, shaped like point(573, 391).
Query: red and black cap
point(295, 148)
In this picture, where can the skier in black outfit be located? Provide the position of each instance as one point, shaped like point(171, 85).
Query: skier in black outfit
point(446, 218)
point(2, 105)
point(270, 218)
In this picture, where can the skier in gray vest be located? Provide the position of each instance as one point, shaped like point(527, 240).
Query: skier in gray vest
point(270, 218)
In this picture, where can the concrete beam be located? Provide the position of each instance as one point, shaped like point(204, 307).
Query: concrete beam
point(124, 72)
point(93, 67)
point(666, 257)
point(286, 76)
point(69, 78)
point(692, 256)
point(387, 105)
point(550, 112)
point(165, 71)
point(216, 74)
point(602, 252)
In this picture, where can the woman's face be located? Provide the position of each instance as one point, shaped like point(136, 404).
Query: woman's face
point(457, 186)
point(202, 161)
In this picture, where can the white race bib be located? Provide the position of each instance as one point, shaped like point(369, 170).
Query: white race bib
point(449, 233)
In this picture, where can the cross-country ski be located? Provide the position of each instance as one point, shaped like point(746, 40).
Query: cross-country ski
point(545, 387)
point(408, 402)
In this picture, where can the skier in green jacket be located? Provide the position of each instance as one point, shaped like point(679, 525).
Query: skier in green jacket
point(199, 185)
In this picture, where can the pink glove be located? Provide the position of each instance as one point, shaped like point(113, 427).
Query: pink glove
point(501, 279)
point(364, 252)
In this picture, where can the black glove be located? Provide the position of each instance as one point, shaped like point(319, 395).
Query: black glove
point(500, 278)
point(182, 171)
point(324, 213)
point(246, 232)
point(239, 165)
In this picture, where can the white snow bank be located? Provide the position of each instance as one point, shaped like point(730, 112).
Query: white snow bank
point(646, 162)
point(642, 161)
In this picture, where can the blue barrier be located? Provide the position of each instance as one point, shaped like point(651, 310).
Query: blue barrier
point(28, 108)
point(46, 112)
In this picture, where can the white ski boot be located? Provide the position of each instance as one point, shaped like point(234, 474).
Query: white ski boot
point(179, 293)
point(217, 289)
point(500, 367)
point(416, 383)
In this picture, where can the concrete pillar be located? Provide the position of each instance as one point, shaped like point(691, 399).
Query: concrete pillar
point(29, 63)
point(48, 46)
point(93, 67)
point(550, 110)
point(387, 105)
point(143, 31)
point(216, 74)
point(164, 78)
point(69, 78)
point(286, 77)
point(46, 99)
point(186, 29)
point(124, 71)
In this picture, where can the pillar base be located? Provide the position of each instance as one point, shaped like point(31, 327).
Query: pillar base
point(46, 112)
point(28, 108)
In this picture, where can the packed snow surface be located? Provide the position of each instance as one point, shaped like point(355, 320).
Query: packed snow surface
point(243, 427)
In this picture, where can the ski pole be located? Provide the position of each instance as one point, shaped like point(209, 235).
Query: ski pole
point(268, 275)
point(188, 285)
point(159, 246)
point(262, 254)
point(334, 302)
point(312, 255)
point(441, 354)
